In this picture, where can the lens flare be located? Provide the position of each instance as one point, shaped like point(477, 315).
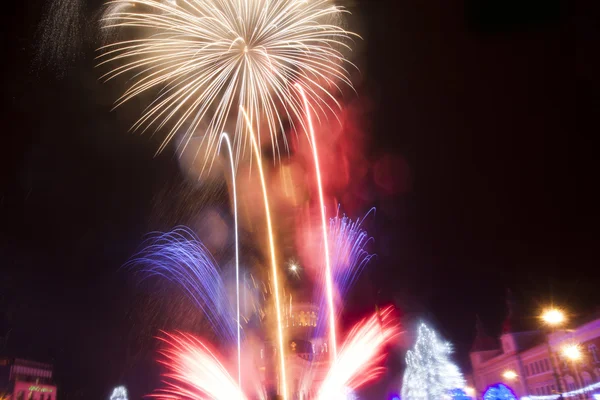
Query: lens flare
point(207, 57)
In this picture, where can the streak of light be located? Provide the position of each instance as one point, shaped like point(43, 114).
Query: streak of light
point(328, 275)
point(180, 257)
point(205, 55)
point(225, 139)
point(194, 371)
point(273, 257)
point(360, 355)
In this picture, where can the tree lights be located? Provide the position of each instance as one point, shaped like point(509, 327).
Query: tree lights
point(430, 374)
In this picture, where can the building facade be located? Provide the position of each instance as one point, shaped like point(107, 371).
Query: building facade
point(533, 363)
point(26, 380)
point(307, 356)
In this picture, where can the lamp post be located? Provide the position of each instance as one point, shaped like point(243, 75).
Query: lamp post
point(572, 352)
point(553, 318)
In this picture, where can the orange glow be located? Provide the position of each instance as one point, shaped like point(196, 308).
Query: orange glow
point(553, 316)
point(572, 352)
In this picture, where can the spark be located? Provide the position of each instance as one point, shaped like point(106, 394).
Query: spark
point(204, 56)
point(347, 248)
point(328, 275)
point(272, 251)
point(360, 355)
point(195, 371)
point(180, 257)
point(348, 240)
point(225, 139)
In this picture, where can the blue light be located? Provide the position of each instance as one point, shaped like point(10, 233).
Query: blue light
point(499, 392)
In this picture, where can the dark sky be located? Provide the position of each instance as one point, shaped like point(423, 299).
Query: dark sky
point(491, 105)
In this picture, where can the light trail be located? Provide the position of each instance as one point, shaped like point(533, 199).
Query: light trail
point(328, 275)
point(225, 139)
point(360, 357)
point(180, 257)
point(256, 149)
point(194, 371)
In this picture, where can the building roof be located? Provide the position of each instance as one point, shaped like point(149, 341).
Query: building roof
point(483, 342)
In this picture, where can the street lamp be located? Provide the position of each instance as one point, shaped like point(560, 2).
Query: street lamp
point(509, 375)
point(553, 318)
point(572, 352)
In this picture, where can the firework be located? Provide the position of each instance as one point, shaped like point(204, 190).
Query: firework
point(225, 139)
point(195, 371)
point(60, 36)
point(328, 275)
point(274, 269)
point(348, 241)
point(360, 355)
point(180, 257)
point(347, 246)
point(209, 57)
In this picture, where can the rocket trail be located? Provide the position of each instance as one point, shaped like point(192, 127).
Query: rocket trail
point(273, 258)
point(225, 138)
point(328, 276)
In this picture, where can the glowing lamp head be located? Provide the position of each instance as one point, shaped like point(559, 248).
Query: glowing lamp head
point(572, 352)
point(553, 317)
point(470, 391)
point(294, 268)
point(509, 375)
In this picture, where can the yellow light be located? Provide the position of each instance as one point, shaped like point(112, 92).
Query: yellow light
point(470, 391)
point(274, 269)
point(294, 268)
point(509, 374)
point(553, 316)
point(572, 352)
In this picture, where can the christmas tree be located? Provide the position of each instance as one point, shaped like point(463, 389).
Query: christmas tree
point(430, 374)
point(119, 393)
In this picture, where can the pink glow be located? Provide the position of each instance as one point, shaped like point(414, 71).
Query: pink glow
point(361, 355)
point(38, 391)
point(195, 371)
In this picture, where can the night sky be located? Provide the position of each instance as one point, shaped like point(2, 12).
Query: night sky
point(488, 106)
